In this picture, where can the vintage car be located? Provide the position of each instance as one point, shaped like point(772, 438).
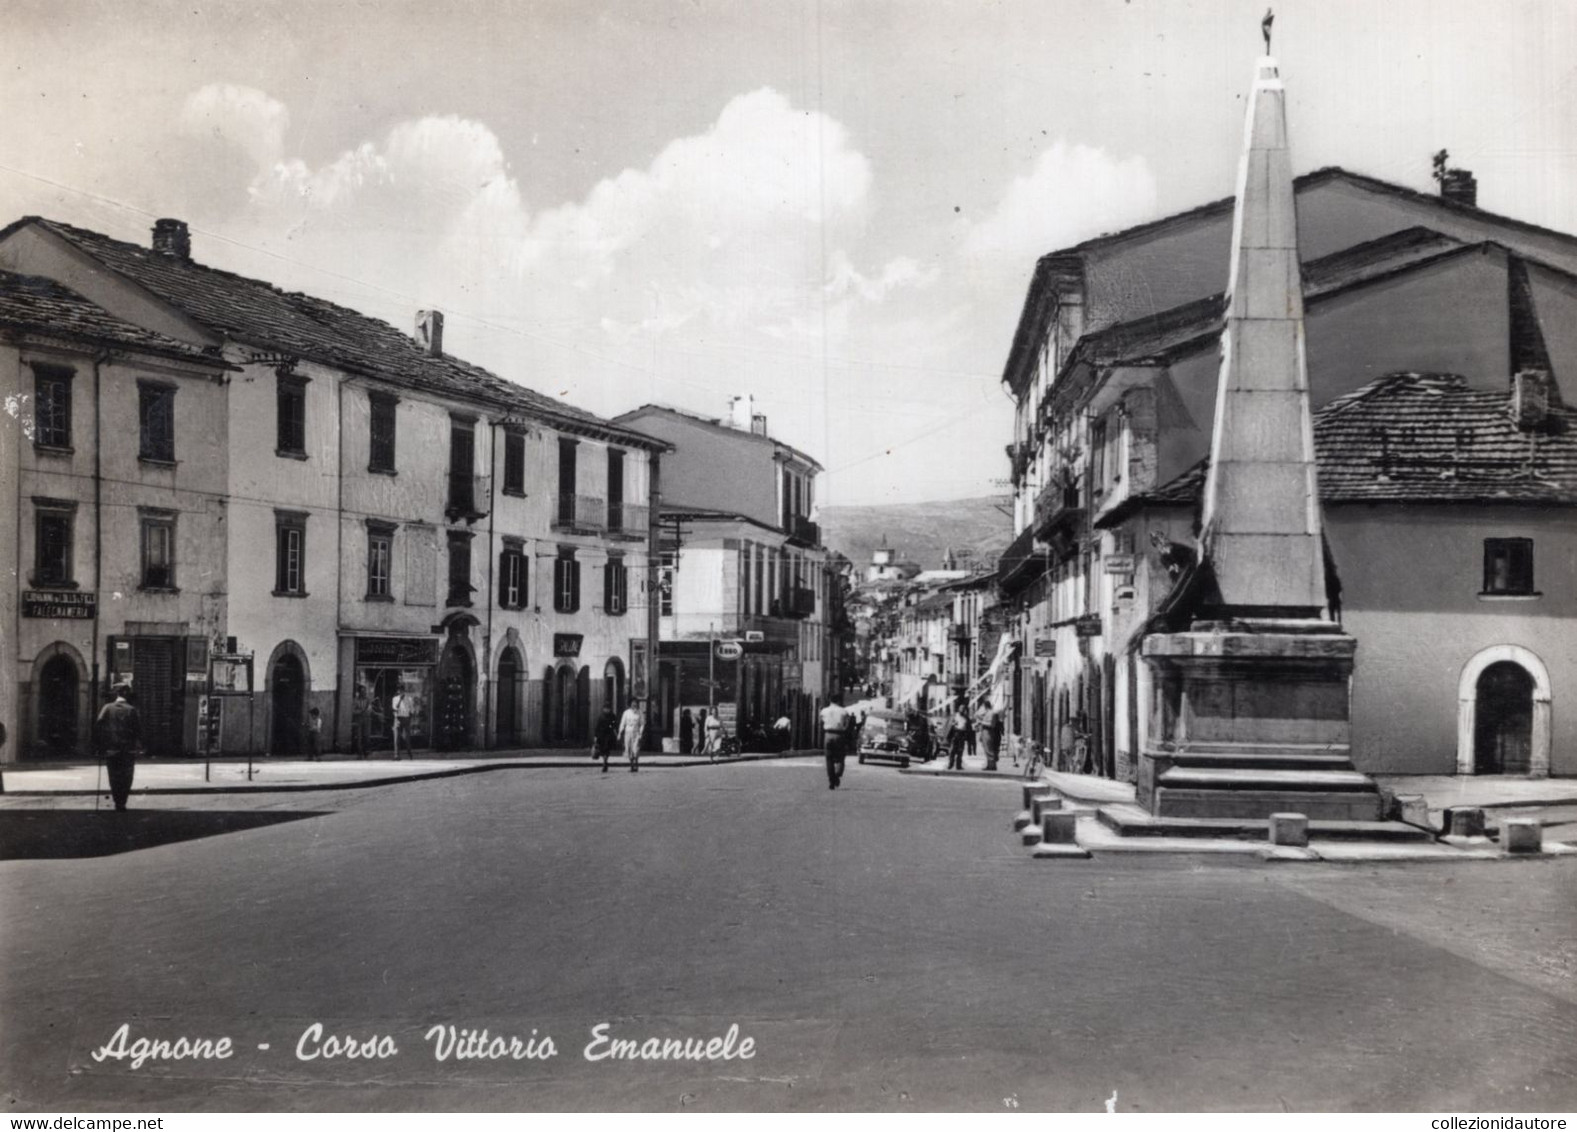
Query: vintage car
point(893, 735)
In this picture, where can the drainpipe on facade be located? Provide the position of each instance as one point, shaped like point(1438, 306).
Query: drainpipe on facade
point(98, 537)
point(488, 734)
point(339, 569)
point(653, 598)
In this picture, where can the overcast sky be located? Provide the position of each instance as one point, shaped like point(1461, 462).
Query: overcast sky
point(834, 206)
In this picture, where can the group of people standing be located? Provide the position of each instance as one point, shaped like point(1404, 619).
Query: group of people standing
point(963, 733)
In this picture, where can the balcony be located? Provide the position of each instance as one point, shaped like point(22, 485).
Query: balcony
point(799, 601)
point(1021, 563)
point(629, 520)
point(468, 496)
point(802, 530)
point(960, 634)
point(1057, 504)
point(581, 513)
point(1018, 457)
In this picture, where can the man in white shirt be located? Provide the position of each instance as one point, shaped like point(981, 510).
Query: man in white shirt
point(632, 726)
point(402, 707)
point(834, 729)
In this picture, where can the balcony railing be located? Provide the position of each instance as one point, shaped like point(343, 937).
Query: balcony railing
point(1057, 503)
point(628, 519)
point(582, 512)
point(468, 496)
point(801, 529)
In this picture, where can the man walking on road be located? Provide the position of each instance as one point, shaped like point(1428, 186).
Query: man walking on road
point(119, 735)
point(834, 728)
point(632, 725)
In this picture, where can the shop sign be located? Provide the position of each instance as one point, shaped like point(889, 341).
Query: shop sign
point(1045, 648)
point(730, 650)
point(396, 652)
point(1119, 564)
point(754, 636)
point(567, 644)
point(67, 605)
point(1088, 626)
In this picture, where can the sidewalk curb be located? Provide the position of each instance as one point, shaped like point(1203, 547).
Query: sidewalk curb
point(398, 779)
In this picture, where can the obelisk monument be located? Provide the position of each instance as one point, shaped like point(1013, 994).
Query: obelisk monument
point(1252, 706)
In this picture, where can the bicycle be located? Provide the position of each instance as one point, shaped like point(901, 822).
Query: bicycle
point(1036, 760)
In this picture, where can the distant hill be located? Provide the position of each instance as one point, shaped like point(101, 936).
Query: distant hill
point(919, 532)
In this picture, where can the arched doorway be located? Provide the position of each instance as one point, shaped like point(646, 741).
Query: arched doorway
point(59, 711)
point(1504, 713)
point(456, 695)
point(287, 697)
point(508, 698)
point(565, 705)
point(613, 686)
point(1503, 720)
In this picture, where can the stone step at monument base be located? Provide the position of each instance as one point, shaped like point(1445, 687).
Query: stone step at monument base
point(1259, 756)
point(1131, 821)
point(1221, 802)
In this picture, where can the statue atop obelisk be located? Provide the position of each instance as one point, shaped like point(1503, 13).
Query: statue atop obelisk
point(1260, 530)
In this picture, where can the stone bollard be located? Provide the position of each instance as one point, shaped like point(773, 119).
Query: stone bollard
point(1464, 821)
point(1022, 820)
point(1413, 809)
point(1289, 829)
point(1040, 807)
point(1058, 827)
point(1035, 790)
point(1522, 835)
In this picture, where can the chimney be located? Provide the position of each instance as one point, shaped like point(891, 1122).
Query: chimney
point(742, 412)
point(171, 238)
point(758, 423)
point(1460, 186)
point(1530, 398)
point(430, 331)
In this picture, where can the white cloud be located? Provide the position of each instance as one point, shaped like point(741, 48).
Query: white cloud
point(1073, 192)
point(241, 115)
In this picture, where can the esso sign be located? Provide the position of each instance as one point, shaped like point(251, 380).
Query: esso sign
point(730, 650)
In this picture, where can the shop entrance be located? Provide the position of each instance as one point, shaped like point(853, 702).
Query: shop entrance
point(508, 699)
point(58, 708)
point(287, 699)
point(456, 697)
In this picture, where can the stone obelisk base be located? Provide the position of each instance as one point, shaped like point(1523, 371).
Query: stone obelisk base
point(1253, 719)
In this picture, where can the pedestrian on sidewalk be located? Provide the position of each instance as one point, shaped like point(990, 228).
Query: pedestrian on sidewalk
point(605, 737)
point(714, 735)
point(632, 726)
point(834, 731)
point(314, 734)
point(957, 734)
point(988, 733)
point(119, 737)
point(687, 731)
point(402, 708)
point(358, 721)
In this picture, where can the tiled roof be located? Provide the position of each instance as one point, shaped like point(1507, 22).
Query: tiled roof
point(1421, 438)
point(43, 306)
point(260, 315)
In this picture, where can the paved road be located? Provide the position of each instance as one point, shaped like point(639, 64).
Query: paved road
point(886, 946)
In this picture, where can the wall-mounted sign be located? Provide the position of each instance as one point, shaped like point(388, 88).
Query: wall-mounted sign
point(754, 636)
point(69, 605)
point(1088, 626)
point(1045, 648)
point(730, 650)
point(1119, 564)
point(396, 652)
point(567, 644)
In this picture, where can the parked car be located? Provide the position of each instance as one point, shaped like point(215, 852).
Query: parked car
point(889, 735)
